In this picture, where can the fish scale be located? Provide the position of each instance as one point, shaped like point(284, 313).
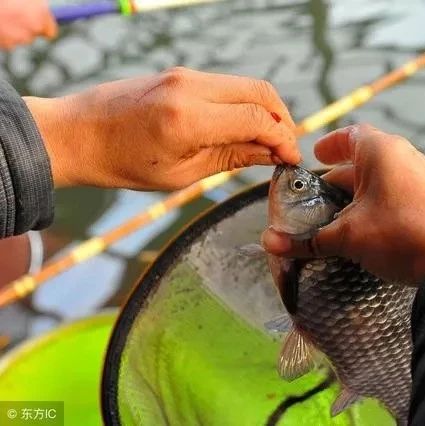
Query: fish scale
point(360, 322)
point(369, 359)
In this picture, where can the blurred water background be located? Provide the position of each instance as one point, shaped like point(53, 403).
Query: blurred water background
point(312, 51)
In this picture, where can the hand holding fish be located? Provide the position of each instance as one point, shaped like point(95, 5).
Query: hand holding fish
point(21, 21)
point(383, 228)
point(336, 305)
point(165, 131)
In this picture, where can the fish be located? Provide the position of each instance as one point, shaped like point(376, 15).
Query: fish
point(359, 322)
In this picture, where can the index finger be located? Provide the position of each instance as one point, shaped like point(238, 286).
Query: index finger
point(247, 123)
point(231, 89)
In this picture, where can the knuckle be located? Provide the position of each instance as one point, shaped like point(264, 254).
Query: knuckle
point(175, 76)
point(230, 159)
point(256, 115)
point(170, 117)
point(265, 90)
point(366, 133)
point(389, 146)
point(172, 111)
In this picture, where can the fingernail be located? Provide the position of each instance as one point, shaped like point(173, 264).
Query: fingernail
point(353, 131)
point(296, 158)
point(276, 117)
point(278, 161)
point(353, 136)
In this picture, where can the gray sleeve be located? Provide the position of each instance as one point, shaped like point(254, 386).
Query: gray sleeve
point(26, 184)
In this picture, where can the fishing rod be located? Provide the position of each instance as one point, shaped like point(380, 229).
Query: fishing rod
point(23, 286)
point(70, 13)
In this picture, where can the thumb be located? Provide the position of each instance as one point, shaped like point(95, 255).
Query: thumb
point(329, 241)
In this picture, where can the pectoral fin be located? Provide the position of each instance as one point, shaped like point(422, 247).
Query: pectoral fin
point(251, 250)
point(296, 357)
point(281, 324)
point(344, 400)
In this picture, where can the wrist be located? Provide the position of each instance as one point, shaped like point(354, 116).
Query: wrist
point(63, 133)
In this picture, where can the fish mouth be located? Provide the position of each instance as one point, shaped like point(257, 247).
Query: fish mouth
point(279, 170)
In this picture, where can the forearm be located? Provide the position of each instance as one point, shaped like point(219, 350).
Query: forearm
point(26, 186)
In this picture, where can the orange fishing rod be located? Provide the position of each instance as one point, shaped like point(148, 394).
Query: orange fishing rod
point(92, 247)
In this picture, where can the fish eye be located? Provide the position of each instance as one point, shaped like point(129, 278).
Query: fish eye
point(298, 185)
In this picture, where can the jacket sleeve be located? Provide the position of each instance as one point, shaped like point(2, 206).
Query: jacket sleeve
point(26, 184)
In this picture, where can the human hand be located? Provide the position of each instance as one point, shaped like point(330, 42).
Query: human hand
point(21, 21)
point(164, 132)
point(383, 229)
